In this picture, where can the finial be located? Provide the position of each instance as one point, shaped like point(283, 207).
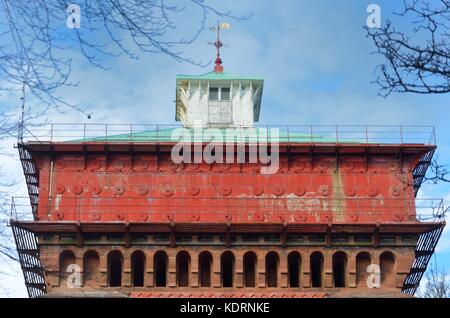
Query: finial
point(218, 68)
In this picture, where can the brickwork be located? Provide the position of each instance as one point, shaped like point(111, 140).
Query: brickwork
point(135, 223)
point(51, 258)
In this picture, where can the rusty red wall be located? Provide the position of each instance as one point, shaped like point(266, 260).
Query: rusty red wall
point(350, 188)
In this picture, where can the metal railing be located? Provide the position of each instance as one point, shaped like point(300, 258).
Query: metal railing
point(430, 210)
point(363, 134)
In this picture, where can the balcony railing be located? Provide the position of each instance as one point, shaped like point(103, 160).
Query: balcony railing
point(372, 210)
point(361, 134)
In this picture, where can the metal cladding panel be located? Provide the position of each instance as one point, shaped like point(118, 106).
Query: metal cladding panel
point(354, 187)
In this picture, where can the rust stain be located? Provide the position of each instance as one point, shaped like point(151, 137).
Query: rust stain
point(339, 204)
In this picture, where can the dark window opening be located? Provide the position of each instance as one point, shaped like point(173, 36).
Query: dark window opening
point(205, 238)
point(183, 264)
point(48, 237)
point(317, 238)
point(137, 237)
point(92, 237)
point(183, 238)
point(388, 239)
point(227, 264)
point(115, 262)
point(387, 268)
point(294, 269)
point(91, 262)
point(160, 269)
point(138, 269)
point(213, 93)
point(339, 238)
point(67, 237)
point(225, 93)
point(161, 237)
point(272, 238)
point(363, 238)
point(294, 238)
point(339, 269)
point(316, 269)
point(272, 269)
point(249, 269)
point(362, 262)
point(66, 259)
point(115, 237)
point(250, 238)
point(205, 261)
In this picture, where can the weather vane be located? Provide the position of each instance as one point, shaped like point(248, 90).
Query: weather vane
point(218, 68)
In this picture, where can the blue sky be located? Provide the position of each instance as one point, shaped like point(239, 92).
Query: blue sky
point(316, 61)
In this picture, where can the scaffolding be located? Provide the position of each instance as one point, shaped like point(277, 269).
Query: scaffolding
point(31, 173)
point(28, 251)
point(421, 169)
point(26, 241)
point(283, 134)
point(424, 250)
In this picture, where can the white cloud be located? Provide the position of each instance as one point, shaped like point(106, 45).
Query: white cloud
point(315, 59)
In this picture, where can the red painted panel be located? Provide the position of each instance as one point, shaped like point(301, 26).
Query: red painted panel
point(151, 188)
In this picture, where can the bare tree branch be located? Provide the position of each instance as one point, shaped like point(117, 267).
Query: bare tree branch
point(438, 173)
point(36, 47)
point(418, 61)
point(437, 285)
point(34, 38)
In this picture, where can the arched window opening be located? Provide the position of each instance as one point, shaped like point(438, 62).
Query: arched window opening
point(249, 269)
point(340, 269)
point(387, 268)
point(227, 269)
point(160, 269)
point(272, 261)
point(115, 267)
point(294, 269)
point(204, 265)
point(316, 263)
point(137, 269)
point(91, 263)
point(183, 269)
point(66, 259)
point(362, 262)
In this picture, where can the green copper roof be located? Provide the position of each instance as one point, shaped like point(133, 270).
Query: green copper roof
point(219, 76)
point(183, 81)
point(230, 135)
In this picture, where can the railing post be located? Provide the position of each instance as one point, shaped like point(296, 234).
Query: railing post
point(288, 137)
point(337, 134)
point(432, 137)
point(401, 134)
point(311, 133)
point(157, 134)
point(51, 132)
point(228, 209)
point(367, 135)
point(84, 132)
point(106, 132)
point(240, 135)
point(12, 208)
point(131, 132)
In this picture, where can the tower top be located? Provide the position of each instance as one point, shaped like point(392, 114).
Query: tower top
point(218, 68)
point(217, 98)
